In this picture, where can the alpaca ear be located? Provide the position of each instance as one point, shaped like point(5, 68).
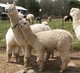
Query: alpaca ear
point(14, 3)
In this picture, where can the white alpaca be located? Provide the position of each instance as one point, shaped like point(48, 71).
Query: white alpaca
point(58, 39)
point(30, 18)
point(39, 27)
point(20, 39)
point(75, 13)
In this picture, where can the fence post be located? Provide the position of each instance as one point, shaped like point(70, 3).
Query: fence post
point(62, 17)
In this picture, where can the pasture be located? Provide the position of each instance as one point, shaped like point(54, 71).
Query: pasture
point(56, 23)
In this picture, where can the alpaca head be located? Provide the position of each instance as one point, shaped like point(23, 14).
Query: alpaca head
point(11, 9)
point(20, 15)
point(23, 23)
point(75, 12)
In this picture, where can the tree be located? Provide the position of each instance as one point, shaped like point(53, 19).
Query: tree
point(21, 3)
point(74, 3)
point(46, 6)
point(33, 7)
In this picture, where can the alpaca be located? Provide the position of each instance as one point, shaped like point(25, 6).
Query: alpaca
point(25, 44)
point(13, 46)
point(49, 19)
point(58, 39)
point(39, 27)
point(67, 18)
point(30, 18)
point(38, 19)
point(75, 13)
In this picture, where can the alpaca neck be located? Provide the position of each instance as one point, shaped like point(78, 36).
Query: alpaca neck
point(17, 32)
point(14, 20)
point(76, 22)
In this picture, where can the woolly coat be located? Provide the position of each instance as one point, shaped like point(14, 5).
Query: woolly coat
point(56, 39)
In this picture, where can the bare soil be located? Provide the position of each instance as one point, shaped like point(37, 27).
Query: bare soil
point(52, 66)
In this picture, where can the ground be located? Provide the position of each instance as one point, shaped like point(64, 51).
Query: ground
point(53, 66)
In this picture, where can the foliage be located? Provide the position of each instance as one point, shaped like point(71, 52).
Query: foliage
point(58, 7)
point(33, 7)
point(21, 3)
point(74, 3)
point(46, 6)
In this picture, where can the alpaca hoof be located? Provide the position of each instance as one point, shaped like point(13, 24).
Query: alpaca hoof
point(24, 72)
point(8, 61)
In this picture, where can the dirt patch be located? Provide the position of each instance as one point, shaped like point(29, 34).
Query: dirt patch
point(53, 66)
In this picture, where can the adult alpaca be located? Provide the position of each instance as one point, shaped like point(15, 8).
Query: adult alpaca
point(75, 13)
point(56, 39)
point(30, 18)
point(67, 18)
point(20, 40)
point(49, 19)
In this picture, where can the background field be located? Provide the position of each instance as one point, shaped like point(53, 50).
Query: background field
point(56, 23)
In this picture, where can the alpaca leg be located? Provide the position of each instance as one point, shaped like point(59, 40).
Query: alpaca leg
point(40, 55)
point(21, 56)
point(40, 60)
point(65, 60)
point(16, 53)
point(27, 57)
point(47, 55)
point(51, 53)
point(9, 53)
point(17, 57)
point(9, 57)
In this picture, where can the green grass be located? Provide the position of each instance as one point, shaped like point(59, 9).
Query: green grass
point(56, 23)
point(4, 25)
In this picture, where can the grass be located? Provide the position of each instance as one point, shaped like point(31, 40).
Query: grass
point(4, 25)
point(56, 23)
